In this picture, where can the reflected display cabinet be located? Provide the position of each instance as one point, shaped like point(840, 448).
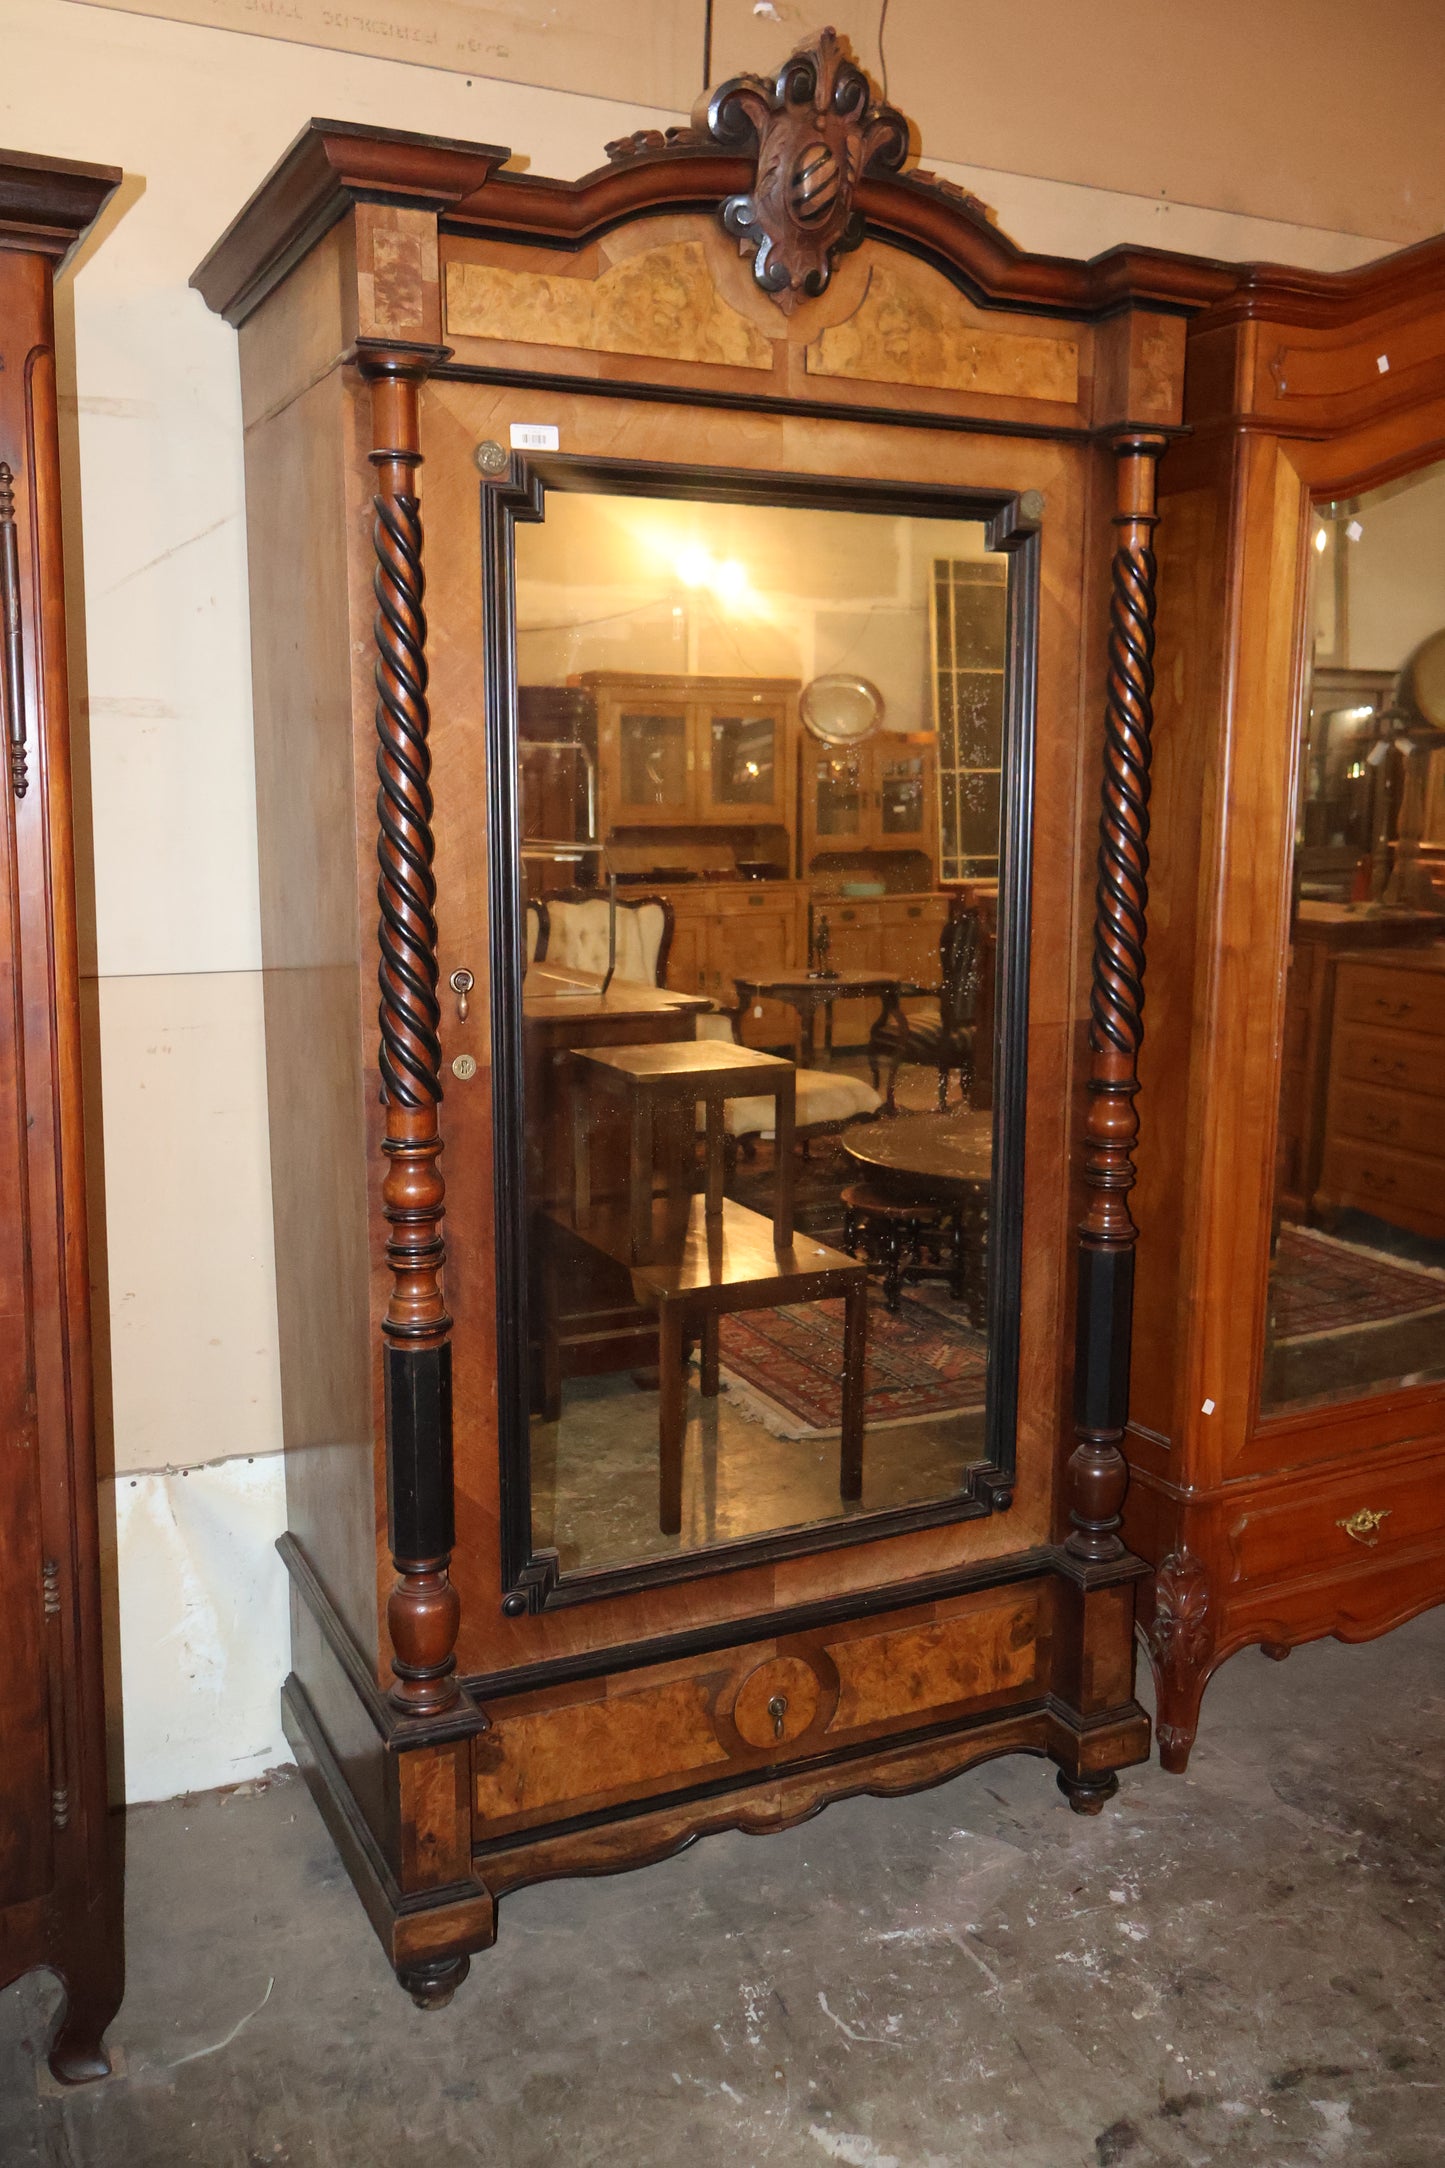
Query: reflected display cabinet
point(1287, 1439)
point(60, 1878)
point(648, 1472)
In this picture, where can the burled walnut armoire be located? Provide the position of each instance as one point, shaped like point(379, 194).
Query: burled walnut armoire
point(752, 403)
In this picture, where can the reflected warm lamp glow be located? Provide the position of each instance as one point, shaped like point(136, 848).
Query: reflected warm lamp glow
point(727, 580)
point(1322, 540)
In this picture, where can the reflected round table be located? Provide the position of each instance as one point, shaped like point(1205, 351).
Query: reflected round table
point(939, 1165)
point(809, 991)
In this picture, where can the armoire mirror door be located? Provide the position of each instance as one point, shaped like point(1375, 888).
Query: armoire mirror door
point(766, 1257)
point(1357, 1275)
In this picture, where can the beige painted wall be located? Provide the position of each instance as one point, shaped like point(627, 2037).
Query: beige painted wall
point(196, 116)
point(1321, 111)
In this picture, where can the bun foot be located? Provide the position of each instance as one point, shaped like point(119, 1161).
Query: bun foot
point(1276, 1651)
point(1091, 1794)
point(432, 1986)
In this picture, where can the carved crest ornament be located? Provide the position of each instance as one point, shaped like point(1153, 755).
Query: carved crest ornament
point(818, 130)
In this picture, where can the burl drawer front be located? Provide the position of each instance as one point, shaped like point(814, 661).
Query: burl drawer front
point(1349, 1526)
point(572, 1750)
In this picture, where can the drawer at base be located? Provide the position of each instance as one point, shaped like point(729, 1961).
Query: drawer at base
point(572, 1750)
point(1357, 1522)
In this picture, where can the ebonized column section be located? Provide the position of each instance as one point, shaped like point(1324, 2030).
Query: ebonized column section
point(423, 1612)
point(1098, 1473)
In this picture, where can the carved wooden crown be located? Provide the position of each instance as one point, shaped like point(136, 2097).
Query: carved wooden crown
point(818, 130)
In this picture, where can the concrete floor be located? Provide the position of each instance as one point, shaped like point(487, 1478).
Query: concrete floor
point(1243, 1966)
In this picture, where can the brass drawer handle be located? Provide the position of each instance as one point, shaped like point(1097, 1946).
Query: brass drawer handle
point(777, 1710)
point(1363, 1527)
point(1393, 1009)
point(1381, 1125)
point(1381, 1067)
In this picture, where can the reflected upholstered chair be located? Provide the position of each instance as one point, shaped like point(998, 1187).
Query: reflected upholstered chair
point(828, 1099)
point(574, 934)
point(940, 1034)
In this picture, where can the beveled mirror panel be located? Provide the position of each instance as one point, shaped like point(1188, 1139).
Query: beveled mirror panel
point(1357, 1278)
point(772, 1134)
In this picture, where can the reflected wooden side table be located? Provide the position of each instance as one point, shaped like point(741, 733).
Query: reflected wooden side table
point(657, 1080)
point(809, 991)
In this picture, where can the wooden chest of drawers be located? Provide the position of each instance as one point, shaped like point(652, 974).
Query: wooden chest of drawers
point(1384, 1149)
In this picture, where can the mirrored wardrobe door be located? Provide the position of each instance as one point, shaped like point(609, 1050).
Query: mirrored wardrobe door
point(1357, 1276)
point(765, 1160)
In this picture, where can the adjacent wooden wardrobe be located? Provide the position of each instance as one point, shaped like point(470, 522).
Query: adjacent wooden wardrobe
point(60, 1896)
point(448, 369)
point(1287, 1441)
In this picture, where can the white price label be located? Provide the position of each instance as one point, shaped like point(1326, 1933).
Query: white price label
point(534, 436)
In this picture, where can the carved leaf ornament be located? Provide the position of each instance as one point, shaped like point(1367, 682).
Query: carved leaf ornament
point(818, 131)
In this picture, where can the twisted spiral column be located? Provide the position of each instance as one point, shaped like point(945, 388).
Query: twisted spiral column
point(423, 1612)
point(1098, 1473)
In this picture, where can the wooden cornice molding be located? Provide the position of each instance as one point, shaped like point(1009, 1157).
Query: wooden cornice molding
point(46, 204)
point(331, 165)
point(928, 217)
point(1285, 294)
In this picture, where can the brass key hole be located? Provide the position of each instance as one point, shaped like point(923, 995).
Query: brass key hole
point(777, 1710)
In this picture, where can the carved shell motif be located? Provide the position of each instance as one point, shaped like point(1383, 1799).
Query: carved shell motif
point(818, 130)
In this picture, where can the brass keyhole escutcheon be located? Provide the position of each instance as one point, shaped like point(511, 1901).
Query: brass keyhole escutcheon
point(778, 1701)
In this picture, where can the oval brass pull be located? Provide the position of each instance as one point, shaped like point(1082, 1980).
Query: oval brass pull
point(1364, 1526)
point(777, 1710)
point(462, 984)
point(1393, 1009)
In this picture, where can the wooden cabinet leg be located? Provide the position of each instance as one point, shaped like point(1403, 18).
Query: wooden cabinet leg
point(671, 1419)
point(710, 1355)
point(93, 1990)
point(855, 1351)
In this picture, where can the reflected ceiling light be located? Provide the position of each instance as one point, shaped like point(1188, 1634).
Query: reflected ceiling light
point(1322, 540)
point(728, 580)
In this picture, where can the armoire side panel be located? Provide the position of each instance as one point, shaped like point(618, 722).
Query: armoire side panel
point(313, 991)
point(1188, 546)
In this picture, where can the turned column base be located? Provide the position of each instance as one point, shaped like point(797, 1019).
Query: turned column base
point(431, 1986)
point(1090, 1794)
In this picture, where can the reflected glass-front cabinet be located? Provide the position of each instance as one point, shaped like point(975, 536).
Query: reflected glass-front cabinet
point(693, 1515)
point(1288, 1435)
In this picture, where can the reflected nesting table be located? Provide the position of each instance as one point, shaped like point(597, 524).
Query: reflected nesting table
point(694, 1259)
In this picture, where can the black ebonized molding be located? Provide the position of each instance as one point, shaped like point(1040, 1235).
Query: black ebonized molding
point(530, 1580)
